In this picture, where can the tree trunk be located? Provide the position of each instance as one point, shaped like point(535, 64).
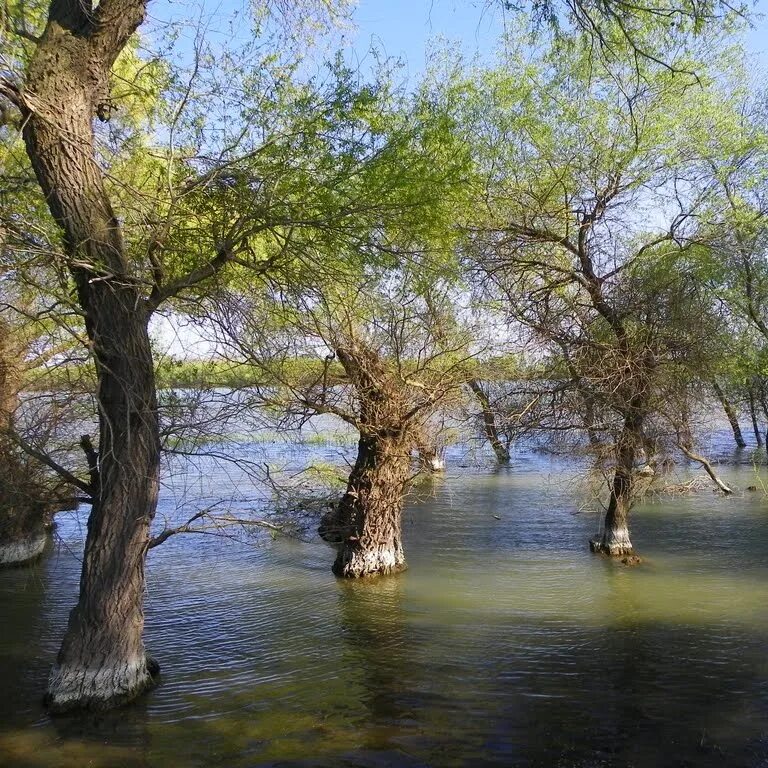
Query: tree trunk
point(753, 416)
point(431, 457)
point(615, 540)
point(489, 422)
point(731, 414)
point(102, 661)
point(370, 512)
point(24, 510)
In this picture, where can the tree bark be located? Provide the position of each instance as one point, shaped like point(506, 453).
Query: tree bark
point(24, 508)
point(102, 661)
point(615, 540)
point(730, 412)
point(370, 512)
point(489, 422)
point(753, 416)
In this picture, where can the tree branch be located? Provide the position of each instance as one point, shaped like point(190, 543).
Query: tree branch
point(156, 541)
point(113, 22)
point(160, 294)
point(10, 91)
point(45, 459)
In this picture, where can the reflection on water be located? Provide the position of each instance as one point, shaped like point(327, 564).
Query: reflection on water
point(505, 643)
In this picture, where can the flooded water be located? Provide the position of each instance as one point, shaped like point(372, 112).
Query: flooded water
point(505, 643)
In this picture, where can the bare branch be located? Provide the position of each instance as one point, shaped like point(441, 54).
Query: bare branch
point(45, 459)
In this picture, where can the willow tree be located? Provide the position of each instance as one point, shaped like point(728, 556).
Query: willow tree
point(30, 493)
point(376, 358)
point(66, 84)
point(128, 246)
point(590, 177)
point(616, 30)
point(736, 225)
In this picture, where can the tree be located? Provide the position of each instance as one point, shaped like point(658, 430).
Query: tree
point(575, 156)
point(30, 493)
point(735, 227)
point(616, 30)
point(383, 365)
point(123, 268)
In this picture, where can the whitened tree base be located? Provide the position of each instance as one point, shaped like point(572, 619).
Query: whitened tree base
point(617, 545)
point(73, 687)
point(23, 550)
point(356, 562)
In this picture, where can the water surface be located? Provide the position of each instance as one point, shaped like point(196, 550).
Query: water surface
point(505, 643)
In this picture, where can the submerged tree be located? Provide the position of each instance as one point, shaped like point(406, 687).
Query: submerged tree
point(382, 364)
point(30, 493)
point(736, 226)
point(576, 157)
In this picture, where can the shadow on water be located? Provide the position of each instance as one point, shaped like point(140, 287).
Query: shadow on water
point(547, 693)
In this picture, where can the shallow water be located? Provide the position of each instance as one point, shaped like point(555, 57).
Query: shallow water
point(506, 642)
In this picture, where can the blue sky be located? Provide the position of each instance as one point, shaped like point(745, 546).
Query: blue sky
point(398, 28)
point(403, 28)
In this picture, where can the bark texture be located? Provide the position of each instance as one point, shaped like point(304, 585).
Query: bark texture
point(490, 428)
point(615, 540)
point(102, 661)
point(731, 415)
point(366, 524)
point(370, 512)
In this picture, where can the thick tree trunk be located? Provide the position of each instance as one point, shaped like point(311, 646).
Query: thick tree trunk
point(615, 540)
point(489, 422)
point(21, 550)
point(730, 412)
point(102, 661)
point(370, 512)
